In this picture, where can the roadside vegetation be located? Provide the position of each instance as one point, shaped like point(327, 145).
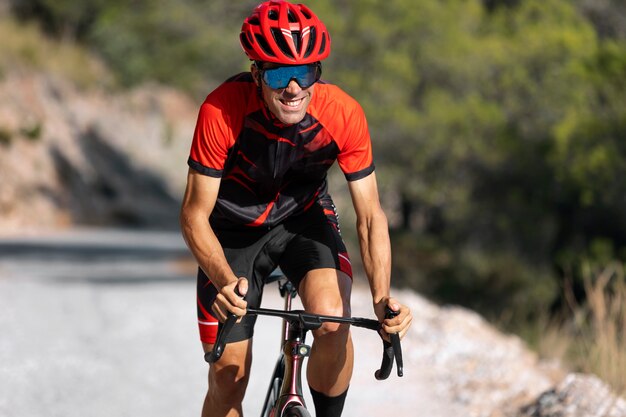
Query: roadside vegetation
point(499, 128)
point(598, 343)
point(25, 47)
point(589, 336)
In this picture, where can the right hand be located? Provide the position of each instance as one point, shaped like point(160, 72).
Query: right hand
point(399, 324)
point(229, 299)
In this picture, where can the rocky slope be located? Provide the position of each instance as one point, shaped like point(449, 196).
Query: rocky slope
point(491, 374)
point(89, 157)
point(70, 156)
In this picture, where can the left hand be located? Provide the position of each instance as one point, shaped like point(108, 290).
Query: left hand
point(399, 324)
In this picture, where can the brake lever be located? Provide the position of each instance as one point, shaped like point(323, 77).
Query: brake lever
point(220, 343)
point(391, 350)
point(397, 351)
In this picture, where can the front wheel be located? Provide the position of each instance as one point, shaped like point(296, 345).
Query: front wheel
point(297, 411)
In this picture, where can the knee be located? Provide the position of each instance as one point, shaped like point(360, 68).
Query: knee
point(334, 331)
point(228, 384)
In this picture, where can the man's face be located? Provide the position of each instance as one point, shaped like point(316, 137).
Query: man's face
point(289, 104)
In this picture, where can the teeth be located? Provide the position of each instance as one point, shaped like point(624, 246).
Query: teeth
point(295, 103)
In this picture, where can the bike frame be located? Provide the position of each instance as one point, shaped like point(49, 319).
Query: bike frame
point(288, 370)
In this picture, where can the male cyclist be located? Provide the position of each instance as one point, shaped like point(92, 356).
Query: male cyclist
point(263, 143)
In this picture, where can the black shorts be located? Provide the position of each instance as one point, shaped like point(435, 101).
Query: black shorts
point(302, 243)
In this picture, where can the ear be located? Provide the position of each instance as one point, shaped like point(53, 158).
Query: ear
point(256, 75)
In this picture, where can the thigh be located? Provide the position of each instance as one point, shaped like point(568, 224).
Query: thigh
point(316, 244)
point(247, 256)
point(326, 291)
point(208, 324)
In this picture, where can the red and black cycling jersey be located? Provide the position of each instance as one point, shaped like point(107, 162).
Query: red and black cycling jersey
point(269, 170)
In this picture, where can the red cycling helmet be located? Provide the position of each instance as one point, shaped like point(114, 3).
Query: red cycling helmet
point(284, 33)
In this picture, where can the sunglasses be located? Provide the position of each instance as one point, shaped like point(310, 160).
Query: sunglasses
point(280, 77)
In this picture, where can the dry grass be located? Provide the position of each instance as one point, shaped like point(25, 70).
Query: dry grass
point(594, 340)
point(24, 46)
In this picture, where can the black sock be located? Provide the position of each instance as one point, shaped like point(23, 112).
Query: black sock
point(326, 406)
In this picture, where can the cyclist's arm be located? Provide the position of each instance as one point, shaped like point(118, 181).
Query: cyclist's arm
point(373, 232)
point(198, 203)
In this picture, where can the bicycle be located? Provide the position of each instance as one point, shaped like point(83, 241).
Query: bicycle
point(284, 396)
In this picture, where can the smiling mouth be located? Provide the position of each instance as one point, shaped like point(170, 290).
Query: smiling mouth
point(292, 103)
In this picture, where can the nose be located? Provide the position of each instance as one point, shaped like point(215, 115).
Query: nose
point(293, 87)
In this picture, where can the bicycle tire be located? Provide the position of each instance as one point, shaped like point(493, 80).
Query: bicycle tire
point(296, 411)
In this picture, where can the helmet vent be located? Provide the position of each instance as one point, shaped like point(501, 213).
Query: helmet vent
point(280, 41)
point(264, 45)
point(291, 17)
point(312, 39)
point(245, 42)
point(297, 39)
point(323, 45)
point(272, 15)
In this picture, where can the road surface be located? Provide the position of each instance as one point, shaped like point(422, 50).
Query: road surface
point(102, 324)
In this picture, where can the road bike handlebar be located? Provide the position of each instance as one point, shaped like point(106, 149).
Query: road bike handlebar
point(308, 321)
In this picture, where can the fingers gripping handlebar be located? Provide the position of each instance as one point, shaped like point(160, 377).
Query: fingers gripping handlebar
point(223, 332)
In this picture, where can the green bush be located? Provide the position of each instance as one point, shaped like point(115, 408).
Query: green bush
point(32, 131)
point(5, 136)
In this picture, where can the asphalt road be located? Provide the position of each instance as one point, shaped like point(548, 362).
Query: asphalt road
point(102, 324)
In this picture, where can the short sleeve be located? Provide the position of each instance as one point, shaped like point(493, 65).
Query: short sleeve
point(209, 148)
point(355, 157)
point(219, 122)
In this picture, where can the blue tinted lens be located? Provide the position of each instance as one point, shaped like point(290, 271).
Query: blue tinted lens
point(305, 76)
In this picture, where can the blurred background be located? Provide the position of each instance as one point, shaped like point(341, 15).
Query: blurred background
point(499, 129)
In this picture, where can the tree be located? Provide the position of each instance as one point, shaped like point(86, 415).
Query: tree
point(68, 19)
point(468, 106)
